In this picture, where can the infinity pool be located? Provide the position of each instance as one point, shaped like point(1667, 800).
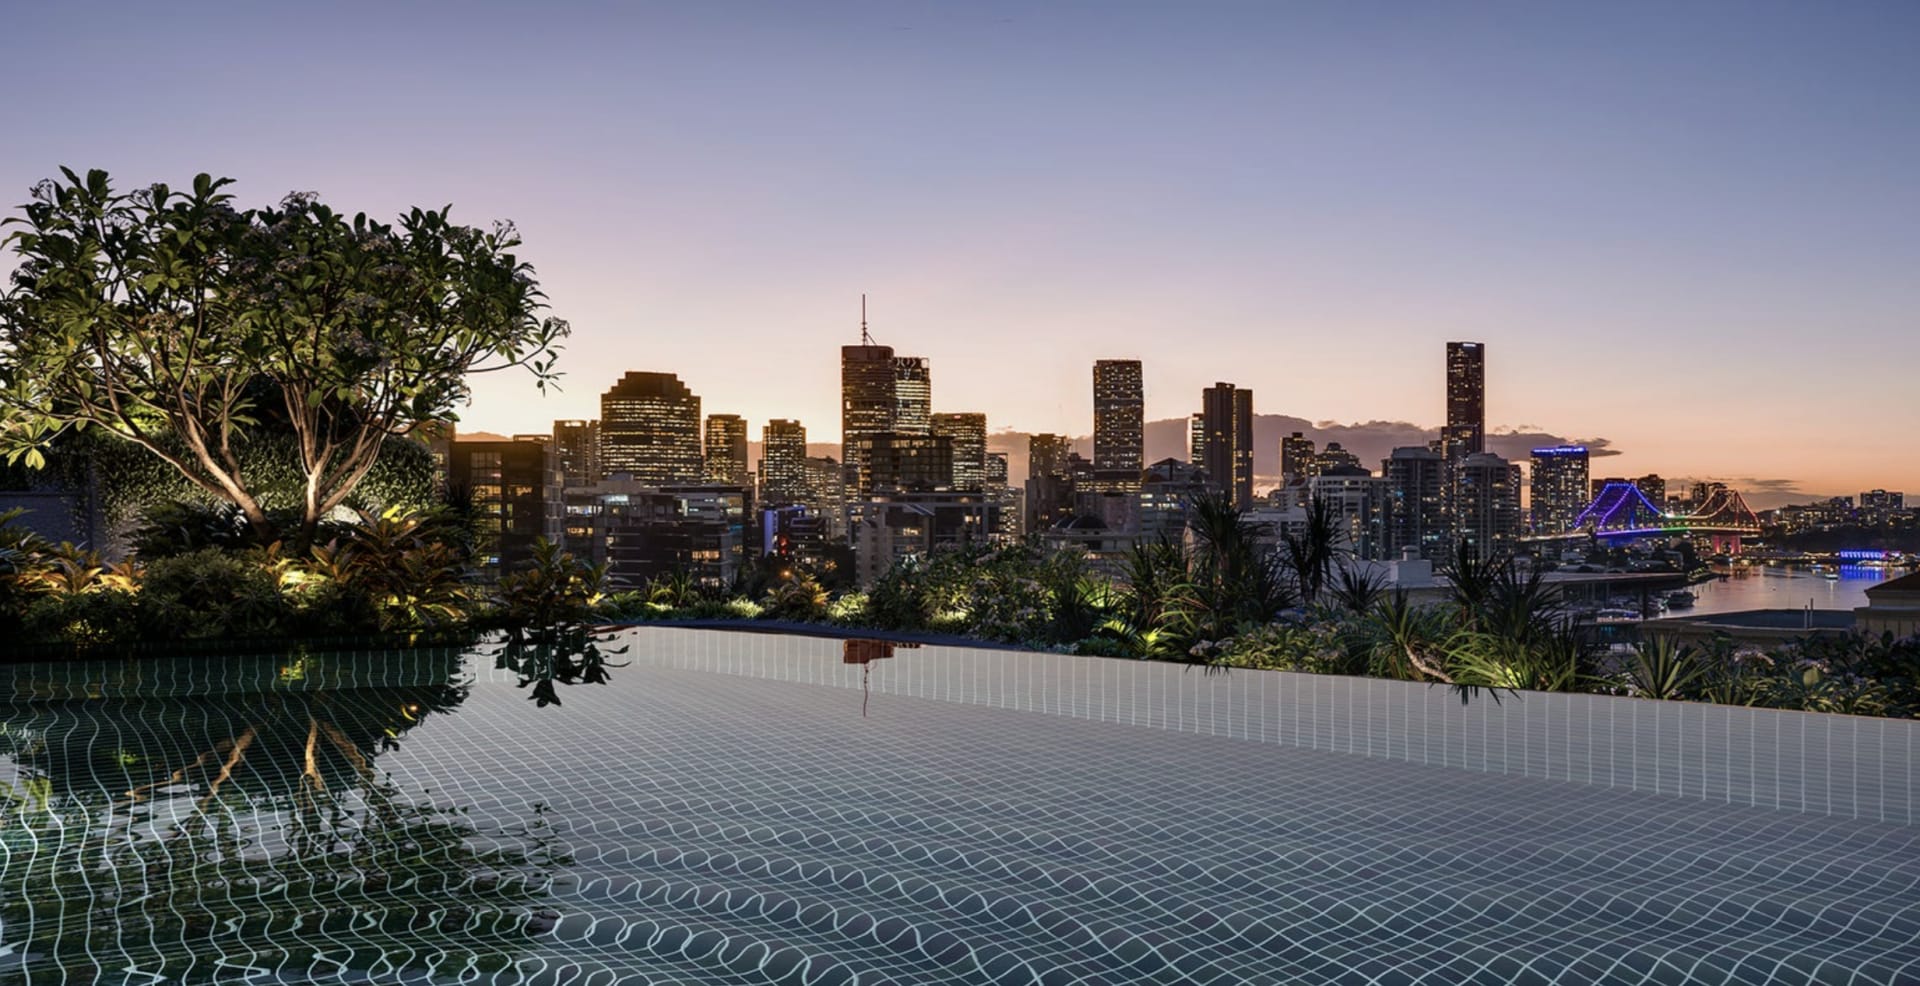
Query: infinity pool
point(428, 817)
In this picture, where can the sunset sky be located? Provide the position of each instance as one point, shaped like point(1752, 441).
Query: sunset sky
point(1692, 230)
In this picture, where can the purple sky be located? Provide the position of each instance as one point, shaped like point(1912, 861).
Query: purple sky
point(1692, 229)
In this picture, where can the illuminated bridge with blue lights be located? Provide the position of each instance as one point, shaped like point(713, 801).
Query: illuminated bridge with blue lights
point(1622, 513)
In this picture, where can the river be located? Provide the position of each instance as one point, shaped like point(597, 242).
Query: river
point(1784, 587)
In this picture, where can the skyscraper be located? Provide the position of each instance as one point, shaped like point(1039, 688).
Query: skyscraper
point(650, 428)
point(1559, 487)
point(1416, 488)
point(1119, 423)
point(577, 444)
point(783, 463)
point(1050, 483)
point(726, 446)
point(1487, 505)
point(1227, 427)
point(1466, 429)
point(1296, 455)
point(912, 395)
point(1197, 441)
point(866, 397)
point(968, 433)
point(899, 462)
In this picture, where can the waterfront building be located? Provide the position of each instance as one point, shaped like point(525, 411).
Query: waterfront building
point(967, 433)
point(783, 463)
point(1119, 424)
point(1227, 425)
point(1558, 487)
point(1653, 488)
point(650, 429)
point(1416, 484)
point(577, 443)
point(726, 450)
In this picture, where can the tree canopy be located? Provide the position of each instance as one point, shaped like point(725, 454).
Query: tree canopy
point(175, 321)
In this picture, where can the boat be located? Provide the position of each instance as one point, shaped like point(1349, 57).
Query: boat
point(1832, 576)
point(1680, 600)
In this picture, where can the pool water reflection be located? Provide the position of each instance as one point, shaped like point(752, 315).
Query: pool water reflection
point(598, 817)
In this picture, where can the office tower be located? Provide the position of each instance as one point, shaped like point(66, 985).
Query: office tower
point(1416, 488)
point(912, 395)
point(1227, 413)
point(1559, 487)
point(1466, 429)
point(515, 496)
point(827, 492)
point(866, 396)
point(968, 434)
point(650, 429)
point(1050, 483)
point(1487, 505)
point(1197, 441)
point(996, 473)
point(1653, 488)
point(577, 443)
point(726, 445)
point(1296, 453)
point(1119, 422)
point(897, 462)
point(783, 463)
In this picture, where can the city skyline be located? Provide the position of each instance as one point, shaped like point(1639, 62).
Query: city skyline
point(1693, 241)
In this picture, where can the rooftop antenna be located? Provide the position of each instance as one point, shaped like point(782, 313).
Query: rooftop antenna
point(865, 338)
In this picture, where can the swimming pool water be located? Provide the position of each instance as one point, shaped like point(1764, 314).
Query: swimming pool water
point(419, 817)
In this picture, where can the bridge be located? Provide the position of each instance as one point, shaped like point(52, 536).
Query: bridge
point(1622, 513)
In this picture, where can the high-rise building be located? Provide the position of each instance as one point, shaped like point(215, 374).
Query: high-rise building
point(1466, 429)
point(650, 429)
point(1653, 488)
point(1361, 505)
point(1487, 505)
point(898, 462)
point(783, 463)
point(515, 493)
point(1197, 441)
point(577, 444)
point(968, 434)
point(912, 395)
point(996, 473)
point(1331, 459)
point(1119, 422)
point(866, 396)
point(1227, 413)
point(1559, 487)
point(1050, 483)
point(1416, 489)
point(1296, 454)
point(726, 445)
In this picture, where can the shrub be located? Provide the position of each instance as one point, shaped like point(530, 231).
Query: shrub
point(107, 616)
point(210, 594)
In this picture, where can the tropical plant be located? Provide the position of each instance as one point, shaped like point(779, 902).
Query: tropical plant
point(1357, 590)
point(174, 321)
point(1661, 667)
point(1311, 554)
point(555, 595)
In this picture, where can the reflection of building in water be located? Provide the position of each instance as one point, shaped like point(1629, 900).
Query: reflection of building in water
point(864, 651)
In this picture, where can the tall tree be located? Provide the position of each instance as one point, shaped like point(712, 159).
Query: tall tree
point(169, 319)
